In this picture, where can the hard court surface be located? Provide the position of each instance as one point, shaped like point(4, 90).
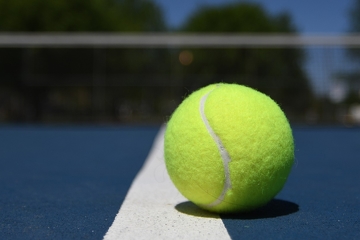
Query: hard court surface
point(96, 182)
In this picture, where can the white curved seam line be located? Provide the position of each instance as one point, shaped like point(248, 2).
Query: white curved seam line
point(223, 152)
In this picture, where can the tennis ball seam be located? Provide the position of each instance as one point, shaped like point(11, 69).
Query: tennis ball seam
point(225, 157)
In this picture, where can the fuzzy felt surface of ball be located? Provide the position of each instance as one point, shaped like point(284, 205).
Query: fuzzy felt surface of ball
point(228, 148)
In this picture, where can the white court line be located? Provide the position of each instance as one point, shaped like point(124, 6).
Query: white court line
point(148, 211)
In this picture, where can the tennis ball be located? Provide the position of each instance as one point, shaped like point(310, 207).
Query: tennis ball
point(228, 148)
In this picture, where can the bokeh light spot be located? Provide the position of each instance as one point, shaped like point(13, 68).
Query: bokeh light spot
point(186, 57)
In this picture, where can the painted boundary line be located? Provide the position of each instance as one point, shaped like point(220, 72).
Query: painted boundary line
point(148, 211)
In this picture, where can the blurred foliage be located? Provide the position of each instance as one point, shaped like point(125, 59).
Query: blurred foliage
point(354, 20)
point(245, 17)
point(39, 77)
point(275, 71)
point(80, 15)
point(74, 16)
point(352, 77)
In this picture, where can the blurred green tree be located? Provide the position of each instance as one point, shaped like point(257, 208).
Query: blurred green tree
point(275, 71)
point(33, 71)
point(354, 20)
point(80, 15)
point(350, 78)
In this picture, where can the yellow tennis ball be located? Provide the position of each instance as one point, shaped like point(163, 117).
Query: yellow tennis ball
point(228, 148)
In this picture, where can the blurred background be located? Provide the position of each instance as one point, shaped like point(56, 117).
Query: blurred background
point(123, 84)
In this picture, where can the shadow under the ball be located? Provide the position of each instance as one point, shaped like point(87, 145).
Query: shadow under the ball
point(190, 208)
point(275, 208)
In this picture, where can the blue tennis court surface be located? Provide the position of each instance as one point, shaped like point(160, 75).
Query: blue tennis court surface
point(70, 182)
point(322, 193)
point(66, 182)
